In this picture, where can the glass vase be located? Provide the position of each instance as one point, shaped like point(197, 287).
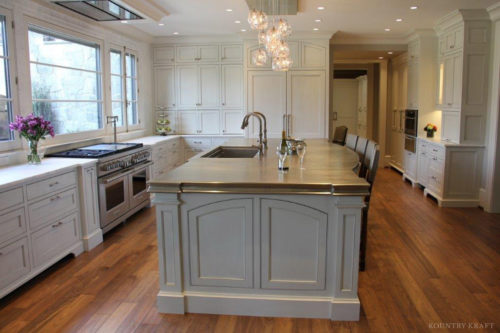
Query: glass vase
point(430, 134)
point(33, 156)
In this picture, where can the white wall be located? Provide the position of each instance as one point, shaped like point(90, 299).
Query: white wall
point(51, 16)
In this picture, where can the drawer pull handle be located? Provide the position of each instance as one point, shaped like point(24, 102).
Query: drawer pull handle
point(57, 224)
point(53, 184)
point(435, 158)
point(435, 150)
point(55, 198)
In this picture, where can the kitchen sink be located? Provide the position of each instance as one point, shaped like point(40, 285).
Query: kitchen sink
point(232, 152)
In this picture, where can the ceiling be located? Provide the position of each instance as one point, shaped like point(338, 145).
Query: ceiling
point(356, 18)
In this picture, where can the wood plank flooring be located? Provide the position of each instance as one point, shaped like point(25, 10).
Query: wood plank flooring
point(425, 266)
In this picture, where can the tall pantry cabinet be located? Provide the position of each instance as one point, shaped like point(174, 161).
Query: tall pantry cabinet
point(199, 87)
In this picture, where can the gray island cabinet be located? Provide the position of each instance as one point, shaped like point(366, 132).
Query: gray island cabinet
point(237, 236)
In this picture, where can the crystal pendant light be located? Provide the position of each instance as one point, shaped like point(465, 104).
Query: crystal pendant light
point(284, 28)
point(262, 37)
point(282, 64)
point(257, 20)
point(283, 50)
point(273, 40)
point(259, 57)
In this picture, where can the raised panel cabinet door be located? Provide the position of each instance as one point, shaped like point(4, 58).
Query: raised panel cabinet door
point(186, 53)
point(422, 168)
point(413, 84)
point(449, 78)
point(267, 94)
point(293, 246)
point(14, 262)
point(250, 64)
point(232, 53)
point(313, 56)
point(232, 86)
point(209, 81)
point(307, 103)
point(208, 53)
point(210, 122)
point(221, 244)
point(164, 88)
point(457, 81)
point(164, 55)
point(189, 122)
point(187, 86)
point(294, 54)
point(411, 164)
point(232, 122)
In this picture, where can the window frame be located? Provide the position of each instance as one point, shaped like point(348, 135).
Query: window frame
point(15, 142)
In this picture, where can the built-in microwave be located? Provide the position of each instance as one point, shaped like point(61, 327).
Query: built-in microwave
point(411, 122)
point(410, 143)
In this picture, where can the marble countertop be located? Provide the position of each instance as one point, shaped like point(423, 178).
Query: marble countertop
point(328, 171)
point(155, 139)
point(17, 174)
point(444, 143)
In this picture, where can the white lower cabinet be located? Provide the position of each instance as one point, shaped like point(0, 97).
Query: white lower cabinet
point(232, 122)
point(46, 210)
point(14, 262)
point(49, 241)
point(410, 164)
point(12, 224)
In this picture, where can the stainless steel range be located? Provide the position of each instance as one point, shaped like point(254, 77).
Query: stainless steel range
point(123, 170)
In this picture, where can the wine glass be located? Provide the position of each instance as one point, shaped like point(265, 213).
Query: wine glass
point(282, 154)
point(301, 152)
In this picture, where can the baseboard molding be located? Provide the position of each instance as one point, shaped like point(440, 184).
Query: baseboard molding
point(397, 168)
point(457, 203)
point(92, 240)
point(483, 199)
point(259, 305)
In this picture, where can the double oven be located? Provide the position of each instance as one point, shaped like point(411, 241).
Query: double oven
point(411, 130)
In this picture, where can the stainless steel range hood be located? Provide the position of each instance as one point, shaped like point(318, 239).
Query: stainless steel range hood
point(99, 10)
point(275, 7)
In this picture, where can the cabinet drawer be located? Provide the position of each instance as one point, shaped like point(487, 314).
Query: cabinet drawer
point(52, 208)
point(436, 151)
point(51, 185)
point(198, 142)
point(51, 240)
point(12, 224)
point(14, 262)
point(11, 198)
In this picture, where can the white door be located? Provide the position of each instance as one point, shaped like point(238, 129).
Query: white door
point(165, 88)
point(306, 103)
point(187, 86)
point(413, 85)
point(232, 86)
point(345, 104)
point(188, 122)
point(232, 122)
point(267, 94)
point(209, 122)
point(209, 86)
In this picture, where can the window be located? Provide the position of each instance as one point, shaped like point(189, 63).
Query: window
point(65, 81)
point(124, 89)
point(5, 91)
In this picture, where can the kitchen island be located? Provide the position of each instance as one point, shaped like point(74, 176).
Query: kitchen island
point(238, 236)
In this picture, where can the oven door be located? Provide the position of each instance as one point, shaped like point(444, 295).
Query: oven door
point(410, 144)
point(411, 120)
point(113, 197)
point(138, 185)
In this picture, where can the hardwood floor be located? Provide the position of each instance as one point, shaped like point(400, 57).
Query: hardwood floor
point(425, 266)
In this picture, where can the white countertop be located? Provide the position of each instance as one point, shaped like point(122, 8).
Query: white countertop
point(443, 143)
point(155, 139)
point(15, 174)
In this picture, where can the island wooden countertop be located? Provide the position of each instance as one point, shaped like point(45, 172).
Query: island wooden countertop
point(328, 170)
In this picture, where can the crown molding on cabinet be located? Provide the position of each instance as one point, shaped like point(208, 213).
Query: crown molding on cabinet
point(196, 39)
point(494, 11)
point(460, 15)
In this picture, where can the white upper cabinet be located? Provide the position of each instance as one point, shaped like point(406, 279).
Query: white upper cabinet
point(164, 55)
point(306, 103)
point(209, 122)
point(232, 122)
point(188, 122)
point(232, 86)
point(197, 53)
point(187, 86)
point(231, 53)
point(164, 88)
point(313, 55)
point(199, 122)
point(413, 76)
point(209, 83)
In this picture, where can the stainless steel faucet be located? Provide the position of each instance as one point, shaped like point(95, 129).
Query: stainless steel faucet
point(261, 115)
point(244, 124)
point(114, 120)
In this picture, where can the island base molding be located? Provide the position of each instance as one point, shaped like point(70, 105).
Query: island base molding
point(261, 305)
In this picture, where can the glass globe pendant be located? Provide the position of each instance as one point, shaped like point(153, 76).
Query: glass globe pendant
point(282, 64)
point(284, 28)
point(257, 20)
point(283, 50)
point(259, 57)
point(273, 40)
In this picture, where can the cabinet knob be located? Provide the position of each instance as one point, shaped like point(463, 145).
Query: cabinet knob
point(223, 103)
point(223, 131)
point(452, 46)
point(173, 104)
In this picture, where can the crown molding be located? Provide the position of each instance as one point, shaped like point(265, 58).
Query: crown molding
point(342, 39)
point(494, 11)
point(233, 38)
point(147, 8)
point(458, 16)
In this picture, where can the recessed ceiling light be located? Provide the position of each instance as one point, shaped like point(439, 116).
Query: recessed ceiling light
point(243, 30)
point(399, 20)
point(161, 24)
point(237, 22)
point(390, 52)
point(175, 33)
point(387, 29)
point(316, 29)
point(381, 58)
point(414, 7)
point(321, 8)
point(229, 10)
point(317, 20)
point(125, 22)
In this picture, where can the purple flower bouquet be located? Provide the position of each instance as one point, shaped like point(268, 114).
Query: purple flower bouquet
point(33, 129)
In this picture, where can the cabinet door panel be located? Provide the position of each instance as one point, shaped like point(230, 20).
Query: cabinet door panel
point(232, 53)
point(221, 244)
point(164, 55)
point(188, 122)
point(186, 53)
point(164, 88)
point(306, 103)
point(457, 82)
point(313, 56)
point(232, 122)
point(187, 86)
point(232, 86)
point(448, 88)
point(209, 122)
point(209, 86)
point(14, 262)
point(209, 53)
point(267, 94)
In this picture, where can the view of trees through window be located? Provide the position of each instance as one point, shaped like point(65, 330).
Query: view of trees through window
point(65, 82)
point(5, 93)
